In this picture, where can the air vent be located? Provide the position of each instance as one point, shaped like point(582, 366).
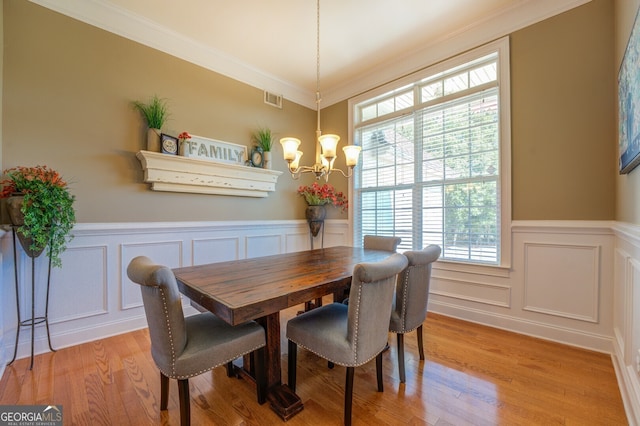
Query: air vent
point(273, 99)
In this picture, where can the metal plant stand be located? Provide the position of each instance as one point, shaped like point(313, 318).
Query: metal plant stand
point(33, 320)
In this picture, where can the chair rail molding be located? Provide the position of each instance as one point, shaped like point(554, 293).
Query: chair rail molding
point(181, 174)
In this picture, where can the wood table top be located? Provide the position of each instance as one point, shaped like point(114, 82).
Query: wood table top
point(246, 289)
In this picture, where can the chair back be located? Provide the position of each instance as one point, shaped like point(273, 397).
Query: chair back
point(412, 290)
point(372, 289)
point(163, 308)
point(375, 242)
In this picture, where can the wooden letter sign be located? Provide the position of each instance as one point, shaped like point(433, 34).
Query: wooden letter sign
point(214, 150)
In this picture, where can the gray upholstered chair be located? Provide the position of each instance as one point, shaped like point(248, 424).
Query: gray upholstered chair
point(412, 295)
point(376, 242)
point(350, 335)
point(373, 242)
point(186, 347)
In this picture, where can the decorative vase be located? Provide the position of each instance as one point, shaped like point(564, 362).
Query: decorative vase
point(315, 216)
point(153, 140)
point(267, 159)
point(14, 208)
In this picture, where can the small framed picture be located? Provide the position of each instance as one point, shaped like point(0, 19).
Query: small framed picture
point(169, 144)
point(257, 157)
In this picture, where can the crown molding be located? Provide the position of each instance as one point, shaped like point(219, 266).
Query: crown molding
point(105, 15)
point(114, 19)
point(525, 13)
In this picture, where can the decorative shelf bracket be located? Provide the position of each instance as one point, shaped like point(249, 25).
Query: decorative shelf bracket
point(181, 174)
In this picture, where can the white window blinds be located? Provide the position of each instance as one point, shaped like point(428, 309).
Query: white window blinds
point(430, 170)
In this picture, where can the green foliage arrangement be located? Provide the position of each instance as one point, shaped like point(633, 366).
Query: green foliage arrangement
point(155, 112)
point(264, 138)
point(47, 208)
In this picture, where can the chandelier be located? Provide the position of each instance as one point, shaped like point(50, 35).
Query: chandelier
point(326, 145)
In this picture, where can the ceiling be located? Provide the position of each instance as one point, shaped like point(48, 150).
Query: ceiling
point(271, 44)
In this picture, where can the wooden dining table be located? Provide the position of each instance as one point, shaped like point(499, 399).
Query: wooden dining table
point(259, 288)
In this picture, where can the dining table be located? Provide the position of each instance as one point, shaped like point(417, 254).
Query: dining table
point(259, 288)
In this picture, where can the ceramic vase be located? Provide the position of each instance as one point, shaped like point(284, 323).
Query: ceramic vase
point(153, 140)
point(267, 160)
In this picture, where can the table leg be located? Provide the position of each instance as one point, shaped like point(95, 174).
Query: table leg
point(282, 399)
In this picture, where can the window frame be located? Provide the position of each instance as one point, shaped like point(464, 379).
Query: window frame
point(501, 47)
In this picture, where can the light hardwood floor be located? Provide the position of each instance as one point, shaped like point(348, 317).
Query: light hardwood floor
point(472, 375)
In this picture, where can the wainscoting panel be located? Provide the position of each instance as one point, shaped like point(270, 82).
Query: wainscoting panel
point(211, 250)
point(562, 280)
point(488, 294)
point(263, 245)
point(559, 286)
point(168, 253)
point(91, 295)
point(626, 308)
point(86, 279)
point(572, 282)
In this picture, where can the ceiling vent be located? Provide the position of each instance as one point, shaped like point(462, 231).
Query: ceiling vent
point(273, 99)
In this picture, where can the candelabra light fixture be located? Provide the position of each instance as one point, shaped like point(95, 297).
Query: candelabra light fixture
point(326, 145)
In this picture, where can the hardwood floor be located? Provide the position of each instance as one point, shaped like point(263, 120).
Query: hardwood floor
point(472, 375)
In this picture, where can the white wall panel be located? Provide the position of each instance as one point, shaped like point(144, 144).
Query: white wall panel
point(263, 245)
point(562, 280)
point(85, 278)
point(626, 308)
point(211, 250)
point(168, 253)
point(489, 294)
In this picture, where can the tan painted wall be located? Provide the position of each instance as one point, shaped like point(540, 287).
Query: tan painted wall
point(67, 89)
point(563, 120)
point(628, 185)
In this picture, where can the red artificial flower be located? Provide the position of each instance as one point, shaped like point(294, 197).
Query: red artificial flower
point(319, 195)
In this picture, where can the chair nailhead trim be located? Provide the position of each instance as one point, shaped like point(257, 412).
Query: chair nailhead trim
point(356, 364)
point(166, 316)
point(405, 296)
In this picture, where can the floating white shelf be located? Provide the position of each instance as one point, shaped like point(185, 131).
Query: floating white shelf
point(175, 173)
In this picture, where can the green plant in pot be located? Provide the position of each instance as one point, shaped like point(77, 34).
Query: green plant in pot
point(40, 205)
point(155, 113)
point(264, 139)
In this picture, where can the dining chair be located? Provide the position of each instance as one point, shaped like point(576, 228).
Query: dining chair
point(350, 335)
point(412, 295)
point(186, 347)
point(377, 242)
point(373, 242)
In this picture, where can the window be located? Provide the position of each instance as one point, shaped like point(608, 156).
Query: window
point(435, 158)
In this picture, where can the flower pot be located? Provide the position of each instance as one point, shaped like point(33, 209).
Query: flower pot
point(267, 160)
point(14, 208)
point(153, 140)
point(315, 216)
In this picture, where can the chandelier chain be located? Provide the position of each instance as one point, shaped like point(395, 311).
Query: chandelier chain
point(318, 50)
point(325, 144)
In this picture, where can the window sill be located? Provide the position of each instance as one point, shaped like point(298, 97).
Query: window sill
point(180, 174)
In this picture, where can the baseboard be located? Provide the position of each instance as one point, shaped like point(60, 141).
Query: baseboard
point(628, 383)
point(70, 338)
point(554, 333)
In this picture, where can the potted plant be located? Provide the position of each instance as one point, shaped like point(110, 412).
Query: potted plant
point(317, 196)
point(41, 206)
point(264, 139)
point(155, 113)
